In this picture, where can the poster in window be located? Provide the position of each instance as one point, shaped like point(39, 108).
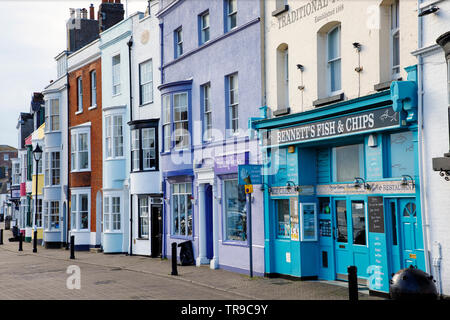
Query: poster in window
point(308, 216)
point(293, 203)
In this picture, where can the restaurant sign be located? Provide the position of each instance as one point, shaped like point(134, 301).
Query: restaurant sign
point(357, 122)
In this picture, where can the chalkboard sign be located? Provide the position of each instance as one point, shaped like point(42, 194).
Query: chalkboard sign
point(376, 214)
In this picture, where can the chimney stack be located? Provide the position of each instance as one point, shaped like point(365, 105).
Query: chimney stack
point(109, 14)
point(91, 12)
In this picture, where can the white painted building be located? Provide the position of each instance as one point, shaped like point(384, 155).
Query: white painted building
point(434, 76)
point(145, 177)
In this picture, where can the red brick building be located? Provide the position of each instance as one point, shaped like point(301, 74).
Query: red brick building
point(85, 141)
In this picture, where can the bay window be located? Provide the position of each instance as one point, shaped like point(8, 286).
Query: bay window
point(181, 209)
point(51, 215)
point(167, 121)
point(235, 214)
point(52, 168)
point(143, 148)
point(114, 136)
point(181, 120)
point(39, 213)
point(52, 122)
point(112, 213)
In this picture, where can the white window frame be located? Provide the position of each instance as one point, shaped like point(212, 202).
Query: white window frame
point(93, 79)
point(108, 212)
point(178, 42)
point(50, 169)
point(75, 209)
point(235, 105)
point(144, 167)
point(79, 94)
point(135, 150)
point(48, 214)
point(175, 195)
point(146, 83)
point(181, 133)
point(205, 34)
point(394, 32)
point(111, 148)
point(330, 61)
point(207, 112)
point(143, 217)
point(75, 149)
point(50, 115)
point(116, 84)
point(167, 122)
point(231, 13)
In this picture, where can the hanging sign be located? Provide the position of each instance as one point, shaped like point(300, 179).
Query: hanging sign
point(358, 122)
point(250, 174)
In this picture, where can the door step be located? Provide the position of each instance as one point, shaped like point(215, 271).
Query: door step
point(344, 277)
point(95, 250)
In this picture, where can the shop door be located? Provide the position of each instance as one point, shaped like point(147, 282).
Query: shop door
point(409, 232)
point(351, 237)
point(156, 243)
point(393, 217)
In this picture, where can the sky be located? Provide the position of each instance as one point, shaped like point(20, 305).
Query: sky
point(32, 34)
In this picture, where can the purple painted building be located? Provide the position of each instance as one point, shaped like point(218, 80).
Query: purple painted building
point(208, 97)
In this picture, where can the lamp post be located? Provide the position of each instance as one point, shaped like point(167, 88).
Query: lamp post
point(37, 154)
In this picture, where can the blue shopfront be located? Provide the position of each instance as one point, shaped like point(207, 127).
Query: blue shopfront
point(342, 189)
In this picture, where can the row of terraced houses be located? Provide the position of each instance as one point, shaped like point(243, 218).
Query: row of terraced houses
point(344, 104)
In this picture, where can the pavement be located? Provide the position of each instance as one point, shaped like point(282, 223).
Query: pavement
point(49, 274)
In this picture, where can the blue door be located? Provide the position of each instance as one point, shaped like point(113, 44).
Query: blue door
point(393, 218)
point(411, 240)
point(351, 236)
point(209, 222)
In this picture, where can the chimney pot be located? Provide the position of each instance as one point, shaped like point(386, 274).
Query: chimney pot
point(91, 12)
point(116, 1)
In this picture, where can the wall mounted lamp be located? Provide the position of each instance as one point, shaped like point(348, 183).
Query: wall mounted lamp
point(430, 10)
point(291, 184)
point(405, 180)
point(357, 183)
point(263, 188)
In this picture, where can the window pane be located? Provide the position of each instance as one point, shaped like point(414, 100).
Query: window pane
point(347, 163)
point(333, 44)
point(359, 223)
point(235, 211)
point(402, 154)
point(284, 219)
point(341, 220)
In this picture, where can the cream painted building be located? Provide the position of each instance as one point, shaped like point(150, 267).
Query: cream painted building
point(311, 38)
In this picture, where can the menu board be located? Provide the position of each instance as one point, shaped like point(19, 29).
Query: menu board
point(376, 214)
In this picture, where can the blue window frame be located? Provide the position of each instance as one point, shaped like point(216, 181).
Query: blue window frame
point(230, 14)
point(176, 117)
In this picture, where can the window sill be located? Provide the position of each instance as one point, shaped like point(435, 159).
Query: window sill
point(116, 94)
point(80, 171)
point(328, 100)
point(280, 10)
point(116, 158)
point(80, 231)
point(113, 232)
point(78, 112)
point(173, 236)
point(92, 107)
point(142, 239)
point(235, 243)
point(146, 104)
point(282, 112)
point(384, 85)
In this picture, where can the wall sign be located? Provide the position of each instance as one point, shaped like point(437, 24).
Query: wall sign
point(385, 187)
point(292, 191)
point(250, 174)
point(357, 122)
point(376, 214)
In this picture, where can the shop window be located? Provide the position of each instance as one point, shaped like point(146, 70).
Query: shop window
point(182, 209)
point(235, 211)
point(283, 219)
point(308, 214)
point(401, 154)
point(348, 163)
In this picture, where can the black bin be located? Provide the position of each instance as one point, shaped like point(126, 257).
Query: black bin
point(186, 253)
point(412, 284)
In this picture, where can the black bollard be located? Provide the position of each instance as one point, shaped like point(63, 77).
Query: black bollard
point(20, 242)
point(352, 283)
point(174, 259)
point(35, 241)
point(72, 247)
point(1, 236)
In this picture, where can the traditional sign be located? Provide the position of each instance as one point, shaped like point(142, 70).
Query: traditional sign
point(358, 122)
point(292, 191)
point(384, 187)
point(376, 214)
point(229, 163)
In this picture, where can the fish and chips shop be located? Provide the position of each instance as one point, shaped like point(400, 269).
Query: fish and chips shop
point(342, 189)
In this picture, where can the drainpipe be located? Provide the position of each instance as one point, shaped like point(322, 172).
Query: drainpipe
point(68, 169)
point(422, 174)
point(161, 43)
point(130, 44)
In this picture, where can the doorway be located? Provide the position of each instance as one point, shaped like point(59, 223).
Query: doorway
point(156, 225)
point(351, 247)
point(209, 221)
